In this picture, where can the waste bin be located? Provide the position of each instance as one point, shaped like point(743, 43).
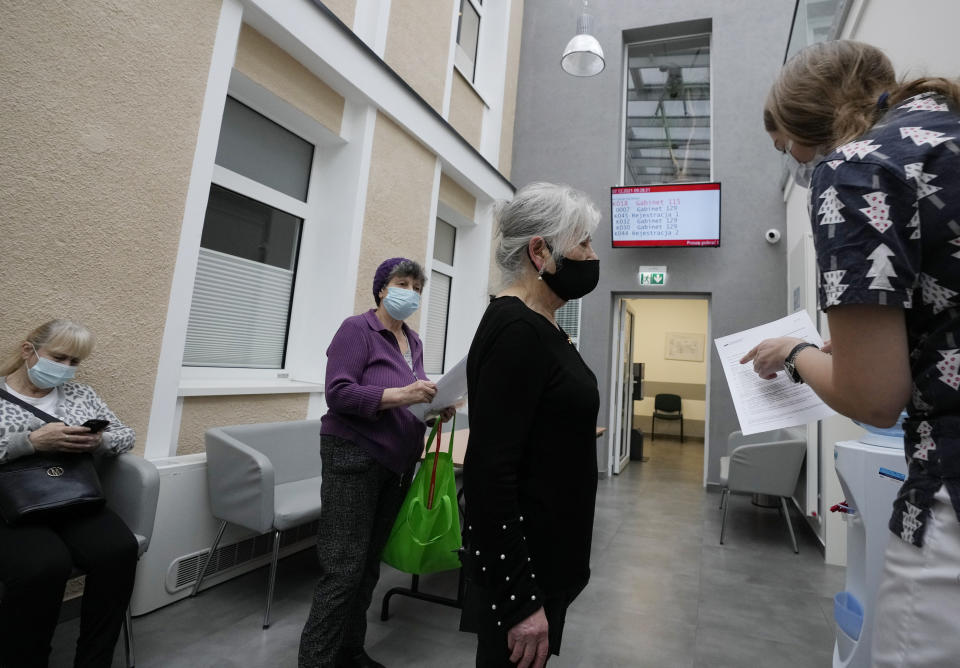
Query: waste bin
point(636, 446)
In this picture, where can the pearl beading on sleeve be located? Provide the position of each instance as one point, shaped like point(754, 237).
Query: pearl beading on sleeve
point(509, 581)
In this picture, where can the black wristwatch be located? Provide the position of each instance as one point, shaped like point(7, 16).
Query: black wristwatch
point(789, 364)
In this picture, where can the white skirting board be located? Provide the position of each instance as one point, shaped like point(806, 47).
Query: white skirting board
point(183, 533)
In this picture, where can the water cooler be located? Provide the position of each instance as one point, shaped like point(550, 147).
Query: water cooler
point(871, 471)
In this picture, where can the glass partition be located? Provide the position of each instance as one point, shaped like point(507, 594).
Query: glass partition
point(667, 134)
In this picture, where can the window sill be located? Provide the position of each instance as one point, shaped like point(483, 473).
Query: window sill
point(209, 387)
point(466, 79)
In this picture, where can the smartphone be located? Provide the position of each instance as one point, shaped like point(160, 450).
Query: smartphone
point(96, 425)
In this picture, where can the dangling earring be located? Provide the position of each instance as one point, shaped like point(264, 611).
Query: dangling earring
point(540, 274)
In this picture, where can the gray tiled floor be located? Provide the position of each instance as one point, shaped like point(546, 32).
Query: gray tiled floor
point(664, 593)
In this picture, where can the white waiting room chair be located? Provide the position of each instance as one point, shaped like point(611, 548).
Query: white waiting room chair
point(131, 485)
point(265, 478)
point(767, 463)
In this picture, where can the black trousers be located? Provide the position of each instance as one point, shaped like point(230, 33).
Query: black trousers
point(359, 501)
point(35, 564)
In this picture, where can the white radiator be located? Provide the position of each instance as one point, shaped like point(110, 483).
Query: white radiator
point(183, 533)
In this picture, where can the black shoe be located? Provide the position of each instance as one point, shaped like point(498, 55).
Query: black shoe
point(360, 660)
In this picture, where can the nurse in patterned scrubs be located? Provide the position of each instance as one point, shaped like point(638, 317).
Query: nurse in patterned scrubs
point(885, 208)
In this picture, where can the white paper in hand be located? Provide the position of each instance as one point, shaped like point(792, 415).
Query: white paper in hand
point(451, 389)
point(764, 405)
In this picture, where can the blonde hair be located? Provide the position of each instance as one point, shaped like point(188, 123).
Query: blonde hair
point(60, 336)
point(562, 215)
point(828, 93)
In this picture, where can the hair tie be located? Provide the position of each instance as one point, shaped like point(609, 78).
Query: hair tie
point(882, 100)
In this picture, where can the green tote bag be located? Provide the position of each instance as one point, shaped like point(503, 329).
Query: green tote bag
point(426, 535)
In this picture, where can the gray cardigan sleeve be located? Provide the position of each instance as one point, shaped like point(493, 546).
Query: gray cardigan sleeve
point(77, 403)
point(13, 437)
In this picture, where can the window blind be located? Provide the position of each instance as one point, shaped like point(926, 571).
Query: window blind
point(568, 317)
point(435, 335)
point(238, 317)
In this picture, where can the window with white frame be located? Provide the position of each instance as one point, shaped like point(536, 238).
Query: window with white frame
point(668, 125)
point(240, 312)
point(468, 37)
point(568, 317)
point(441, 281)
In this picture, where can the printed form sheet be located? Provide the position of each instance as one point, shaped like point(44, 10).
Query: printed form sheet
point(764, 405)
point(451, 390)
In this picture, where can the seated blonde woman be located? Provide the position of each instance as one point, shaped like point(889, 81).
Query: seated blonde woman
point(36, 558)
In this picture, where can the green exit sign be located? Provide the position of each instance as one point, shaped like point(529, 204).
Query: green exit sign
point(652, 275)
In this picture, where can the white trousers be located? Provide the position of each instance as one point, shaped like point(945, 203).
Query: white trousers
point(917, 624)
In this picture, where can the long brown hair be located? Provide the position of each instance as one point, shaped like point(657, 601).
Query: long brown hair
point(827, 94)
point(62, 336)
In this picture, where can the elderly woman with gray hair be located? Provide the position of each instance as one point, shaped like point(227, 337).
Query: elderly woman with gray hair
point(530, 474)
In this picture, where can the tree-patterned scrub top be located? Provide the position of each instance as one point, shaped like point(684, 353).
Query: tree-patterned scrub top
point(885, 211)
point(530, 472)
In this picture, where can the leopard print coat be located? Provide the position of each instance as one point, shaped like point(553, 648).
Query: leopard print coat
point(77, 403)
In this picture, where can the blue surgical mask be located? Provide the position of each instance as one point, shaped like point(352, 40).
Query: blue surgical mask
point(46, 373)
point(401, 303)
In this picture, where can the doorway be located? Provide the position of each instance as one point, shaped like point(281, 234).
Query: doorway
point(661, 346)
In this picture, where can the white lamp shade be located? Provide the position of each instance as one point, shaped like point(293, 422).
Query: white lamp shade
point(583, 56)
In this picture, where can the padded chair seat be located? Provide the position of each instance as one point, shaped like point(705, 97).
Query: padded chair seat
point(766, 463)
point(296, 503)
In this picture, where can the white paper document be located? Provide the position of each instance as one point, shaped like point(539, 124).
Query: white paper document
point(764, 405)
point(451, 389)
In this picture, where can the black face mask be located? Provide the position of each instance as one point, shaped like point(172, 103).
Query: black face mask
point(573, 278)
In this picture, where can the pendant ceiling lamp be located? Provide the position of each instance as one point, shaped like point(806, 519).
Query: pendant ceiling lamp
point(583, 56)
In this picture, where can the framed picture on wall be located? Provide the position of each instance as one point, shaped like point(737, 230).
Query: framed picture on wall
point(684, 346)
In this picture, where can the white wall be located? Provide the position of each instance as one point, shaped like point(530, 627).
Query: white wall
point(919, 37)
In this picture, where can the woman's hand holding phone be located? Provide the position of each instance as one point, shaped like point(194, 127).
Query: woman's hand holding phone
point(56, 436)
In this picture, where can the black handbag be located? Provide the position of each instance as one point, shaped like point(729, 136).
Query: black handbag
point(48, 485)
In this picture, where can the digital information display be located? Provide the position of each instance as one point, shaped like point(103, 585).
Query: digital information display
point(668, 215)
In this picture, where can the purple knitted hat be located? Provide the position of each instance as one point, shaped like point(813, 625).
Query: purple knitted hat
point(382, 274)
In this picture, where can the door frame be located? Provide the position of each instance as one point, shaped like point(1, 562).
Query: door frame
point(621, 437)
point(615, 388)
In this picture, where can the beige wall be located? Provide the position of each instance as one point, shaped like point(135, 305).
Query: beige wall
point(457, 198)
point(274, 69)
point(101, 105)
point(202, 413)
point(344, 10)
point(398, 206)
point(418, 46)
point(510, 88)
point(466, 110)
point(654, 319)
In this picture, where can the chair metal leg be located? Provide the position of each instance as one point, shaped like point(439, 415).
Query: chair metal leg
point(206, 562)
point(723, 496)
point(273, 577)
point(653, 431)
point(681, 429)
point(723, 524)
point(786, 513)
point(128, 652)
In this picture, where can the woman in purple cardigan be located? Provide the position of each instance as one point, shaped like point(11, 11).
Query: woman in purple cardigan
point(369, 444)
